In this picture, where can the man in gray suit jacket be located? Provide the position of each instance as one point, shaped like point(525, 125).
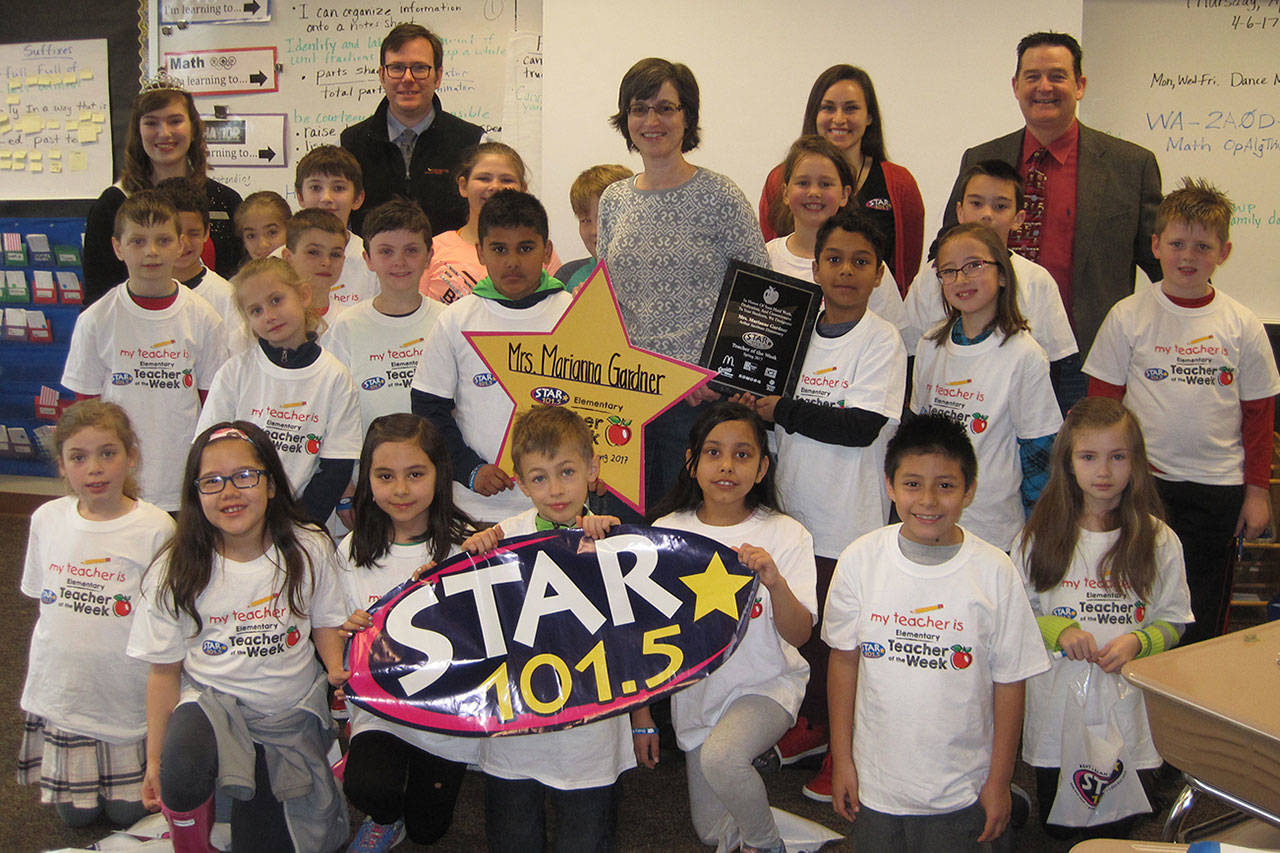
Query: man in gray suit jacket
point(1101, 194)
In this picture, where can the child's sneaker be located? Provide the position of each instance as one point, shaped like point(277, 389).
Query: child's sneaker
point(801, 741)
point(818, 788)
point(376, 837)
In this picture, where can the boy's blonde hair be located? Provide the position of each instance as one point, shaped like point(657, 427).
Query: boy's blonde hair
point(306, 219)
point(108, 417)
point(329, 160)
point(592, 183)
point(283, 272)
point(1197, 203)
point(548, 429)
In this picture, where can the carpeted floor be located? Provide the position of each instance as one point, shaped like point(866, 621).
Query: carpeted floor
point(654, 811)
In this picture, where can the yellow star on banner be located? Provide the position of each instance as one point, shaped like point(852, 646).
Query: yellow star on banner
point(715, 589)
point(588, 364)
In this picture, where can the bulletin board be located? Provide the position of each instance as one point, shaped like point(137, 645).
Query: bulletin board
point(55, 133)
point(277, 80)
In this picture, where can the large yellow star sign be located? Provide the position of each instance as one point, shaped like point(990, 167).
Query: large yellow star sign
point(715, 589)
point(588, 363)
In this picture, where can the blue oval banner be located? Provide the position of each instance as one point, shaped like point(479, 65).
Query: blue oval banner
point(551, 630)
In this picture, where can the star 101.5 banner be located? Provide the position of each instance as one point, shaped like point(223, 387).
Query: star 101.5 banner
point(551, 630)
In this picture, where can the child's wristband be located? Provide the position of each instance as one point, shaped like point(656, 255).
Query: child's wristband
point(644, 730)
point(471, 481)
point(344, 503)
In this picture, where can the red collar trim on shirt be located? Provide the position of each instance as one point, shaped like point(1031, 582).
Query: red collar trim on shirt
point(1198, 302)
point(153, 303)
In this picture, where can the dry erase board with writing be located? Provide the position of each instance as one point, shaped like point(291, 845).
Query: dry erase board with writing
point(325, 74)
point(1199, 84)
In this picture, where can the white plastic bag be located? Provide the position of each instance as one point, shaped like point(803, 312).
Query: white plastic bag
point(1096, 783)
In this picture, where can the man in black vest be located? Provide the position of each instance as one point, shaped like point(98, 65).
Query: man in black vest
point(410, 146)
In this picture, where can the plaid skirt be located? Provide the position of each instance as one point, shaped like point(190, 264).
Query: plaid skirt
point(77, 769)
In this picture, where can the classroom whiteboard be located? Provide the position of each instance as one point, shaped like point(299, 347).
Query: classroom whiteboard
point(55, 129)
point(1199, 84)
point(325, 74)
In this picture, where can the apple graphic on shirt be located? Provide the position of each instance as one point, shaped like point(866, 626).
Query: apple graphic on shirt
point(979, 423)
point(122, 607)
point(292, 636)
point(961, 656)
point(187, 380)
point(1226, 376)
point(1139, 611)
point(618, 432)
point(313, 444)
point(756, 609)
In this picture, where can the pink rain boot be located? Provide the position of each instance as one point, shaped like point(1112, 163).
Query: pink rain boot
point(189, 831)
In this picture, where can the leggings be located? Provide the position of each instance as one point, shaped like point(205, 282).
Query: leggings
point(389, 779)
point(189, 775)
point(722, 781)
point(515, 817)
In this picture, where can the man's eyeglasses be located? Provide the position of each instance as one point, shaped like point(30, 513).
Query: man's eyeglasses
point(420, 70)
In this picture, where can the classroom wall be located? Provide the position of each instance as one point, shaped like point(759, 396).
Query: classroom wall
point(942, 73)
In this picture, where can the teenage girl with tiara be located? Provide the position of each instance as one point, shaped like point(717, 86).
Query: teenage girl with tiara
point(165, 140)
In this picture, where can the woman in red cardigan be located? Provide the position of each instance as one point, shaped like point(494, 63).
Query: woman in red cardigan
point(842, 108)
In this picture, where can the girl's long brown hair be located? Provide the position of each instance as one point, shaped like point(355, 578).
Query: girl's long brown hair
point(1008, 319)
point(1050, 536)
point(188, 558)
point(137, 165)
point(447, 525)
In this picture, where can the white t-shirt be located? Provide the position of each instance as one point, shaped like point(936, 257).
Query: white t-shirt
point(1185, 371)
point(1106, 614)
point(219, 293)
point(382, 353)
point(357, 283)
point(87, 575)
point(933, 640)
point(310, 412)
point(451, 368)
point(764, 664)
point(152, 363)
point(362, 586)
point(250, 644)
point(586, 756)
point(1000, 394)
point(838, 492)
point(1038, 300)
point(885, 299)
